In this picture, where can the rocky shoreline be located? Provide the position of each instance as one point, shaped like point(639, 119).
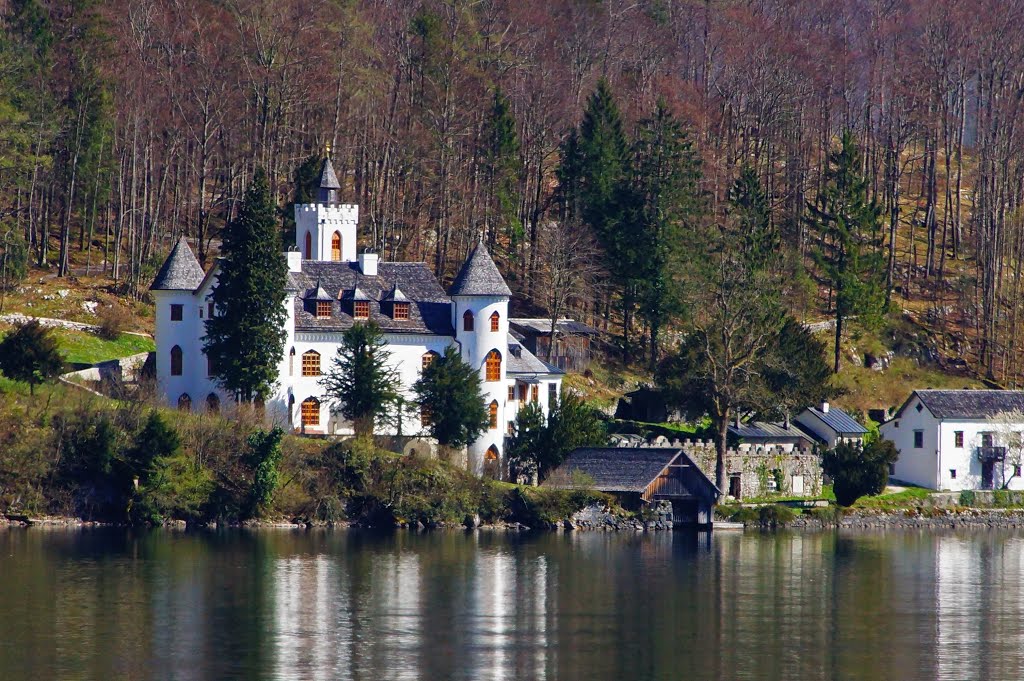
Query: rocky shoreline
point(920, 518)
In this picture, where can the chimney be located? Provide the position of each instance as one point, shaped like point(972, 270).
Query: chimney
point(824, 407)
point(368, 263)
point(294, 261)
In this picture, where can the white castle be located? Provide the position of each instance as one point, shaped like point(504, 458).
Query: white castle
point(330, 288)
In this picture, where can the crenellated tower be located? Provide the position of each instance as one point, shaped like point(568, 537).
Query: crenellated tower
point(326, 230)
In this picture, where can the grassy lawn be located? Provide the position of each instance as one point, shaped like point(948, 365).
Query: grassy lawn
point(906, 498)
point(82, 347)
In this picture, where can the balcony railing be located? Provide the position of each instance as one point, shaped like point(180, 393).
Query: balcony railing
point(991, 453)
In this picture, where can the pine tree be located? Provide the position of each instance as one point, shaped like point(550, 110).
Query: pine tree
point(449, 390)
point(502, 167)
point(361, 382)
point(665, 202)
point(245, 338)
point(595, 172)
point(849, 252)
point(523, 447)
point(797, 373)
point(752, 219)
point(29, 353)
point(571, 424)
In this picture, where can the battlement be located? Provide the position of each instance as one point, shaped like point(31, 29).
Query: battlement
point(348, 212)
point(699, 446)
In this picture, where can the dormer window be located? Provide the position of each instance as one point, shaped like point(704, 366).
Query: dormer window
point(361, 309)
point(323, 309)
point(400, 311)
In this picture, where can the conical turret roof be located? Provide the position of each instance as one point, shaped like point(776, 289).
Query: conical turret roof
point(180, 272)
point(479, 276)
point(328, 178)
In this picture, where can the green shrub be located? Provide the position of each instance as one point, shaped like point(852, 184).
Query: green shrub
point(776, 515)
point(539, 506)
point(746, 515)
point(968, 498)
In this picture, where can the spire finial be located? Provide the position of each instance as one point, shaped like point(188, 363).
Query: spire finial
point(327, 149)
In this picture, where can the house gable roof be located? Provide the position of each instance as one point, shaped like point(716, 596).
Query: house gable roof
point(429, 309)
point(628, 469)
point(536, 326)
point(761, 430)
point(479, 276)
point(180, 272)
point(522, 361)
point(968, 404)
point(838, 420)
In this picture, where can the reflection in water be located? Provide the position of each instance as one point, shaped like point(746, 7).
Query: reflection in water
point(348, 605)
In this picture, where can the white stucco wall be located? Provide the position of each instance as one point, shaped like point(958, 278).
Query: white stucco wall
point(321, 221)
point(931, 465)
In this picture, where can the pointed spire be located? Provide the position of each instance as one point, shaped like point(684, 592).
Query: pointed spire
point(180, 272)
point(479, 276)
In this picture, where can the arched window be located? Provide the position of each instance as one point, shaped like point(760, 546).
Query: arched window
point(310, 412)
point(291, 362)
point(467, 321)
point(428, 359)
point(495, 319)
point(493, 364)
point(309, 246)
point(336, 247)
point(212, 403)
point(311, 363)
point(185, 402)
point(492, 464)
point(176, 361)
point(291, 408)
point(492, 412)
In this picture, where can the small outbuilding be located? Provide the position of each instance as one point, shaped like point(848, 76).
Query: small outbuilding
point(569, 344)
point(641, 476)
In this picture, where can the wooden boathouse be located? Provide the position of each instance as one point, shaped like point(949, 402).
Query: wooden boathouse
point(640, 476)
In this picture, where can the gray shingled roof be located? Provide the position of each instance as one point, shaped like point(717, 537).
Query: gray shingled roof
point(619, 469)
point(628, 469)
point(542, 327)
point(522, 361)
point(760, 430)
point(970, 404)
point(429, 311)
point(396, 296)
point(328, 179)
point(479, 276)
point(180, 272)
point(839, 421)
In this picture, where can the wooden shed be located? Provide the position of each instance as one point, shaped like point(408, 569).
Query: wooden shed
point(641, 475)
point(571, 350)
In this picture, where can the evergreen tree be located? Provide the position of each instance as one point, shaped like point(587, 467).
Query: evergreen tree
point(522, 449)
point(858, 470)
point(571, 424)
point(665, 198)
point(449, 390)
point(361, 382)
point(305, 183)
point(245, 338)
point(157, 440)
point(502, 167)
point(797, 373)
point(29, 353)
point(752, 218)
point(849, 252)
point(264, 458)
point(595, 173)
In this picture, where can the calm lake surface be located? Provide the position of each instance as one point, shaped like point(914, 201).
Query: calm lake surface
point(112, 604)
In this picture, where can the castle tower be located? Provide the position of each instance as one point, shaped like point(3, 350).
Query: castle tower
point(179, 326)
point(480, 317)
point(326, 230)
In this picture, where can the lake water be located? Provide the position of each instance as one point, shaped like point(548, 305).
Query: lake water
point(111, 604)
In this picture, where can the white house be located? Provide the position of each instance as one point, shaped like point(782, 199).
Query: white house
point(829, 425)
point(959, 439)
point(329, 289)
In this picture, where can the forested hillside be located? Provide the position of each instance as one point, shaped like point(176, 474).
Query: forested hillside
point(594, 143)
